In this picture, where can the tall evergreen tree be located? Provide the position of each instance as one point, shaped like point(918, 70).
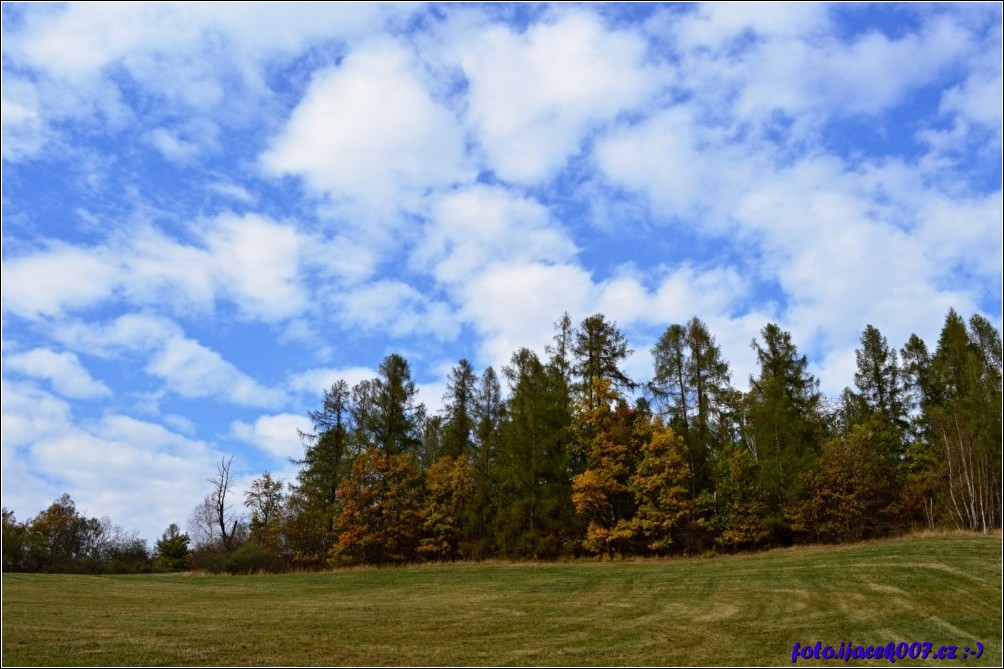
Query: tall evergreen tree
point(535, 499)
point(878, 378)
point(480, 521)
point(328, 450)
point(385, 412)
point(784, 420)
point(458, 404)
point(965, 421)
point(599, 349)
point(692, 382)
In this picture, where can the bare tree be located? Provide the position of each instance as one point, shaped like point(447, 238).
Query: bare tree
point(222, 487)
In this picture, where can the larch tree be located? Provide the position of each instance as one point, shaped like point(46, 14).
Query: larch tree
point(878, 378)
point(785, 425)
point(385, 410)
point(599, 349)
point(458, 404)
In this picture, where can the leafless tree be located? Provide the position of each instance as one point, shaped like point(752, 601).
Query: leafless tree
point(222, 487)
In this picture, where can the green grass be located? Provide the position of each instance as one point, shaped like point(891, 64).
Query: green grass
point(732, 610)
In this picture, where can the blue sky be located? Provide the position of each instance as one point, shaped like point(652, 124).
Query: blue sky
point(213, 211)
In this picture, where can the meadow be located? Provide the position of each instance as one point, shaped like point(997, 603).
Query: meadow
point(726, 610)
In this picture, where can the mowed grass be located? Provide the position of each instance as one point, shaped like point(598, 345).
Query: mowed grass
point(732, 610)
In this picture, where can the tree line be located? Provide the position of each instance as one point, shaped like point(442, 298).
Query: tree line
point(565, 455)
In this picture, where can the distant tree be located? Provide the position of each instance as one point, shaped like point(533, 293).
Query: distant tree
point(852, 491)
point(60, 538)
point(221, 493)
point(312, 503)
point(266, 499)
point(691, 383)
point(600, 493)
point(534, 501)
point(14, 543)
point(172, 549)
point(489, 415)
point(964, 417)
point(213, 524)
point(785, 423)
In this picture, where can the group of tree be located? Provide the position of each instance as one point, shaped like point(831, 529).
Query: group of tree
point(61, 539)
point(574, 458)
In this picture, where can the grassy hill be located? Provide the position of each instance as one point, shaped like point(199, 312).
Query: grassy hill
point(945, 589)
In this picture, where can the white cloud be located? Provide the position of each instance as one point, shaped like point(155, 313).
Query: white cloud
point(535, 96)
point(131, 332)
point(316, 381)
point(476, 226)
point(512, 306)
point(192, 370)
point(716, 25)
point(397, 309)
point(57, 278)
point(251, 260)
point(158, 269)
point(276, 434)
point(369, 131)
point(171, 146)
point(63, 371)
point(258, 261)
point(140, 474)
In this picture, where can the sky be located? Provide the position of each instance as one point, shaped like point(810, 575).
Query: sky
point(211, 211)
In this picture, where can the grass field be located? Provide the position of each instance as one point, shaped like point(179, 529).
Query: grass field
point(731, 610)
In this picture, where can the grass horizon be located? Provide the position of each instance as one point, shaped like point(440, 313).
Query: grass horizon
point(749, 608)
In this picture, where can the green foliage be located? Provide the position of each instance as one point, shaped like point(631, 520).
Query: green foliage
point(61, 540)
point(459, 401)
point(266, 498)
point(384, 410)
point(852, 491)
point(172, 549)
point(691, 383)
point(599, 348)
point(15, 545)
point(785, 424)
point(600, 493)
point(534, 508)
point(963, 414)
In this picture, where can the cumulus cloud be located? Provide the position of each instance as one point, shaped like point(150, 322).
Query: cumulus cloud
point(63, 371)
point(535, 96)
point(56, 278)
point(315, 381)
point(195, 371)
point(276, 434)
point(139, 473)
point(258, 261)
point(474, 227)
point(370, 132)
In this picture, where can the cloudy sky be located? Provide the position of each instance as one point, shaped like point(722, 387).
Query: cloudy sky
point(212, 211)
